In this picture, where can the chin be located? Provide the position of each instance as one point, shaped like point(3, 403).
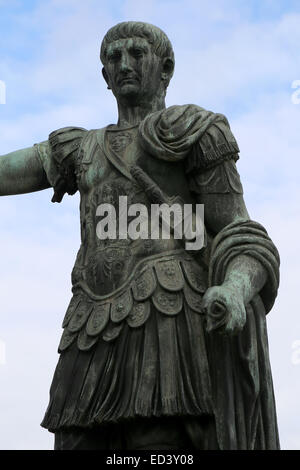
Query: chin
point(129, 91)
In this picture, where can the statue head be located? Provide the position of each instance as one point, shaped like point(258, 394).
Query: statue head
point(135, 50)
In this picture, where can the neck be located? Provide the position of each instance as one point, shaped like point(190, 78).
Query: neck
point(131, 114)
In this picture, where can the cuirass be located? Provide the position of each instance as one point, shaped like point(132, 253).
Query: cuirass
point(115, 279)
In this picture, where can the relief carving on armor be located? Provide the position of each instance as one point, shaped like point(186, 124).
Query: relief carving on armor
point(118, 141)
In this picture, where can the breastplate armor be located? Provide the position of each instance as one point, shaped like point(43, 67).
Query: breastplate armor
point(114, 280)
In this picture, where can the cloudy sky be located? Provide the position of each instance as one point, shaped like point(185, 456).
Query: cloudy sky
point(234, 57)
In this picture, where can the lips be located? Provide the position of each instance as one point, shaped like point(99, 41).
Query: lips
point(128, 79)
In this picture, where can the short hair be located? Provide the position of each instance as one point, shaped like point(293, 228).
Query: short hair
point(158, 40)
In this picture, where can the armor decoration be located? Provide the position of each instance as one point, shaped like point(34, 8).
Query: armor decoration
point(66, 340)
point(112, 331)
point(166, 281)
point(98, 319)
point(169, 303)
point(169, 275)
point(139, 314)
point(71, 308)
point(144, 285)
point(80, 316)
point(121, 307)
point(85, 342)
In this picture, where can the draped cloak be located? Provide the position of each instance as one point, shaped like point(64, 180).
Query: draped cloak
point(153, 357)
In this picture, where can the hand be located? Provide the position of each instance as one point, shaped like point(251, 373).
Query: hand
point(224, 309)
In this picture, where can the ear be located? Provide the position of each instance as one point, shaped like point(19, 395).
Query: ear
point(167, 69)
point(105, 76)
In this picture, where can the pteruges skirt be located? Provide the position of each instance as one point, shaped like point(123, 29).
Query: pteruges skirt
point(158, 369)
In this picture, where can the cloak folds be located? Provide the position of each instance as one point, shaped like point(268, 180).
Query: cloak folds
point(188, 131)
point(243, 398)
point(241, 380)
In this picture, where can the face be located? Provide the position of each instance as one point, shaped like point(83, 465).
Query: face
point(132, 70)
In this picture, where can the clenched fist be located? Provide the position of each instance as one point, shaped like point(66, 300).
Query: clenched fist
point(224, 309)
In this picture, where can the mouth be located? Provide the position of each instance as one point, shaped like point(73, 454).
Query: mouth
point(127, 80)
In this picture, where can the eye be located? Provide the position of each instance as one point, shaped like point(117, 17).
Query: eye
point(114, 56)
point(137, 53)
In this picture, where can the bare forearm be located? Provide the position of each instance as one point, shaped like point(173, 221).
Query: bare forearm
point(246, 276)
point(21, 172)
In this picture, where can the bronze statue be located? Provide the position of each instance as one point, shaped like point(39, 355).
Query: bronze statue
point(162, 347)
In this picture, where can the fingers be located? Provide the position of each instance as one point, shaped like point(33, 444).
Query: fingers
point(214, 304)
point(236, 321)
point(218, 310)
point(225, 315)
point(217, 315)
point(207, 299)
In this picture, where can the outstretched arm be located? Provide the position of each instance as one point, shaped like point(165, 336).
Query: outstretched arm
point(22, 172)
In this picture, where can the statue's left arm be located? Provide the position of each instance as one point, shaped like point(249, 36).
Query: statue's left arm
point(237, 240)
point(245, 276)
point(241, 258)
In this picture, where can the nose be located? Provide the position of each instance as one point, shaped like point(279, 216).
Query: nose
point(125, 65)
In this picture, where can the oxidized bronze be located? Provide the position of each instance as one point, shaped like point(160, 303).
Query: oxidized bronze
point(162, 347)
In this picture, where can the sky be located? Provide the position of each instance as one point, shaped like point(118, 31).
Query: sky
point(235, 57)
